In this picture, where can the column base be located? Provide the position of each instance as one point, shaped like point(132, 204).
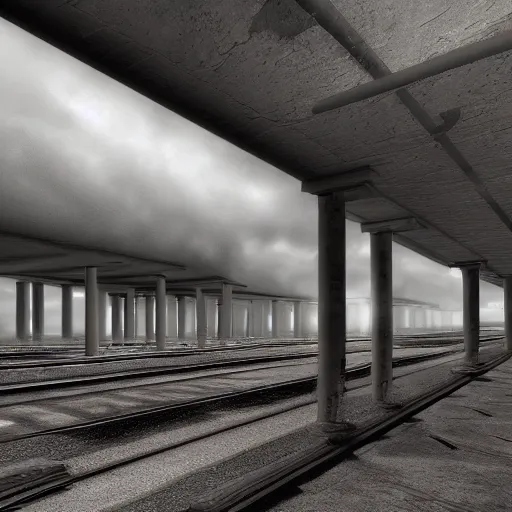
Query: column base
point(334, 427)
point(466, 368)
point(388, 405)
point(334, 432)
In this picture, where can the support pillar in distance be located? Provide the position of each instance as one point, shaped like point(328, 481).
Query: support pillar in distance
point(161, 313)
point(276, 327)
point(129, 314)
point(92, 337)
point(102, 314)
point(67, 311)
point(182, 316)
point(297, 320)
point(225, 312)
point(202, 325)
point(150, 317)
point(22, 310)
point(117, 330)
point(172, 317)
point(37, 311)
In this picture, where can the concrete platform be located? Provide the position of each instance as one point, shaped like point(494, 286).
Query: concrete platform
point(455, 456)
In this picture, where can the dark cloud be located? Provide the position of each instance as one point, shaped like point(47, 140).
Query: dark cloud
point(85, 159)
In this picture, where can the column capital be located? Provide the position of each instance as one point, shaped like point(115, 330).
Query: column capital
point(468, 264)
point(391, 225)
point(353, 185)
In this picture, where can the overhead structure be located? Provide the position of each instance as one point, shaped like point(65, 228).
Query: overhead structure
point(427, 160)
point(449, 176)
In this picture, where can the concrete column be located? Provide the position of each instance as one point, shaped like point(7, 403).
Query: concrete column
point(267, 312)
point(161, 313)
point(22, 310)
point(297, 319)
point(141, 316)
point(67, 311)
point(135, 316)
point(182, 317)
point(305, 316)
point(37, 311)
point(225, 311)
point(92, 332)
point(219, 316)
point(102, 314)
point(420, 318)
point(202, 324)
point(471, 312)
point(276, 328)
point(331, 307)
point(191, 318)
point(286, 319)
point(507, 291)
point(382, 314)
point(428, 319)
point(117, 331)
point(402, 319)
point(249, 326)
point(150, 317)
point(238, 319)
point(211, 317)
point(129, 314)
point(257, 318)
point(172, 317)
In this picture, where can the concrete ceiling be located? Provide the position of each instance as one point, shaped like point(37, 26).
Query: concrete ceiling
point(55, 263)
point(251, 72)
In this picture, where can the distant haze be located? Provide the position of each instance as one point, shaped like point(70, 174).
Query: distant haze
point(85, 159)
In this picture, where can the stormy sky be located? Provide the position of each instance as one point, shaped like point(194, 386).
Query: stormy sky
point(84, 158)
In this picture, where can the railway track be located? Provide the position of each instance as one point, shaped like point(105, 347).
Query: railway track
point(147, 372)
point(134, 355)
point(60, 356)
point(434, 339)
point(294, 386)
point(26, 493)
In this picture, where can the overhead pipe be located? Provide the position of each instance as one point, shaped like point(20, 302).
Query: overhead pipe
point(451, 60)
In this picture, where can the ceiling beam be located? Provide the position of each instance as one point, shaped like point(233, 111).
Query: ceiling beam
point(349, 180)
point(393, 225)
point(69, 247)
